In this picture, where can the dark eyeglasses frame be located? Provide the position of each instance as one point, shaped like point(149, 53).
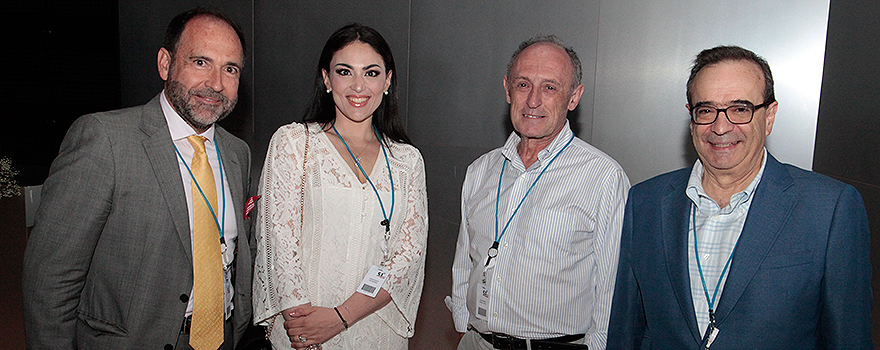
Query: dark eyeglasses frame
point(719, 110)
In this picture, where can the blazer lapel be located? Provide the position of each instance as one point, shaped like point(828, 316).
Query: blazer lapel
point(232, 170)
point(676, 210)
point(770, 208)
point(160, 151)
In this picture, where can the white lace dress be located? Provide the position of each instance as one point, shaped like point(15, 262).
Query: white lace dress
point(341, 237)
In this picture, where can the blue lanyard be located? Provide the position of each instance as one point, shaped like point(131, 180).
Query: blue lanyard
point(387, 221)
point(220, 227)
point(493, 251)
point(700, 268)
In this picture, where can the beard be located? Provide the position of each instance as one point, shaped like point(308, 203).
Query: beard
point(199, 115)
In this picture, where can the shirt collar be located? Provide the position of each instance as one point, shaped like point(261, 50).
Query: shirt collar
point(696, 192)
point(178, 127)
point(509, 148)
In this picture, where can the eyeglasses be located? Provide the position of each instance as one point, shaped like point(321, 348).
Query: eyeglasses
point(740, 113)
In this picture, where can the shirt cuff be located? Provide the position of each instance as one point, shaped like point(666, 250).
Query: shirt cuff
point(459, 314)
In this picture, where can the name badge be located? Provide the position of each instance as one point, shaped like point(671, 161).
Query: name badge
point(374, 280)
point(227, 277)
point(483, 296)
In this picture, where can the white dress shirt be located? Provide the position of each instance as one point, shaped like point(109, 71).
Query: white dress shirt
point(180, 130)
point(555, 269)
point(718, 230)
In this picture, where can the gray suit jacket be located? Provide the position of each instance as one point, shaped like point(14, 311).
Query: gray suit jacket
point(109, 262)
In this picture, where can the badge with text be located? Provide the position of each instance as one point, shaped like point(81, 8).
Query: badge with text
point(374, 280)
point(712, 330)
point(483, 297)
point(713, 333)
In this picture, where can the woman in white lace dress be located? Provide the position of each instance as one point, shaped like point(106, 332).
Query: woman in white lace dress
point(343, 197)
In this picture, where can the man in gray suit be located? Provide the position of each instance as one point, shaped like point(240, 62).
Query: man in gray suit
point(109, 264)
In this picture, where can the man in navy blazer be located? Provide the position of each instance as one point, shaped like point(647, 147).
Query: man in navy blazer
point(741, 251)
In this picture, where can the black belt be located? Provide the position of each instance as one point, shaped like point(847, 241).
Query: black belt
point(504, 341)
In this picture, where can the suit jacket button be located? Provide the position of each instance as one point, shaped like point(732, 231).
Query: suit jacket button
point(169, 347)
point(184, 298)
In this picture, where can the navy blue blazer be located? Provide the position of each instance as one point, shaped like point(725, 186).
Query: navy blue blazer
point(800, 277)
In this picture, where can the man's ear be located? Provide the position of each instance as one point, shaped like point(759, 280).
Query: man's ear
point(575, 97)
point(770, 117)
point(506, 91)
point(163, 61)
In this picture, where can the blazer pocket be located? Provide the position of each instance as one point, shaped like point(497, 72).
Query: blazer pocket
point(786, 260)
point(100, 327)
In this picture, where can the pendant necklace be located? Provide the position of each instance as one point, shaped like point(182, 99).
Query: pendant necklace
point(357, 157)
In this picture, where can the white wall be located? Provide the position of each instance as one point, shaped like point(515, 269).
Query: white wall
point(644, 56)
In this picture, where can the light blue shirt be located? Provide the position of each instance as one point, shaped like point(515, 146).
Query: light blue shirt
point(718, 230)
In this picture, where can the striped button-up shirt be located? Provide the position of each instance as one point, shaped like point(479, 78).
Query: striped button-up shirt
point(718, 230)
point(556, 264)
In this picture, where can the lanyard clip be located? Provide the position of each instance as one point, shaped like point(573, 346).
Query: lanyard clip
point(493, 252)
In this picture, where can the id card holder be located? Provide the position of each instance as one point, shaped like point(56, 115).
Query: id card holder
point(483, 296)
point(713, 333)
point(227, 277)
point(374, 280)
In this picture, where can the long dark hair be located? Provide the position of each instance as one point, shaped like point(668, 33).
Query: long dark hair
point(322, 110)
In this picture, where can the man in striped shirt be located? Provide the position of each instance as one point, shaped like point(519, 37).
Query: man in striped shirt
point(540, 220)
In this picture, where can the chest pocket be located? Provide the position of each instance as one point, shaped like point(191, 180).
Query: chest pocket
point(559, 235)
point(797, 258)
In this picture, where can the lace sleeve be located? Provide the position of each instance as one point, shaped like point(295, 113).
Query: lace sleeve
point(406, 265)
point(278, 274)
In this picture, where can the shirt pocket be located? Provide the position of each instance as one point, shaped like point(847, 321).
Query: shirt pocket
point(561, 235)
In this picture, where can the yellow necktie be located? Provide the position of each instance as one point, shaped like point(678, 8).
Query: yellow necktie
point(206, 331)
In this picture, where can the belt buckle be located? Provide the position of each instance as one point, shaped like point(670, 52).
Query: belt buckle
point(504, 341)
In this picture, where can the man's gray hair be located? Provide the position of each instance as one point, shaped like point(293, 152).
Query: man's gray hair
point(577, 71)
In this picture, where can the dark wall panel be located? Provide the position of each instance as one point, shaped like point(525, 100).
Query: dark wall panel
point(849, 109)
point(288, 43)
point(141, 32)
point(62, 62)
point(846, 139)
